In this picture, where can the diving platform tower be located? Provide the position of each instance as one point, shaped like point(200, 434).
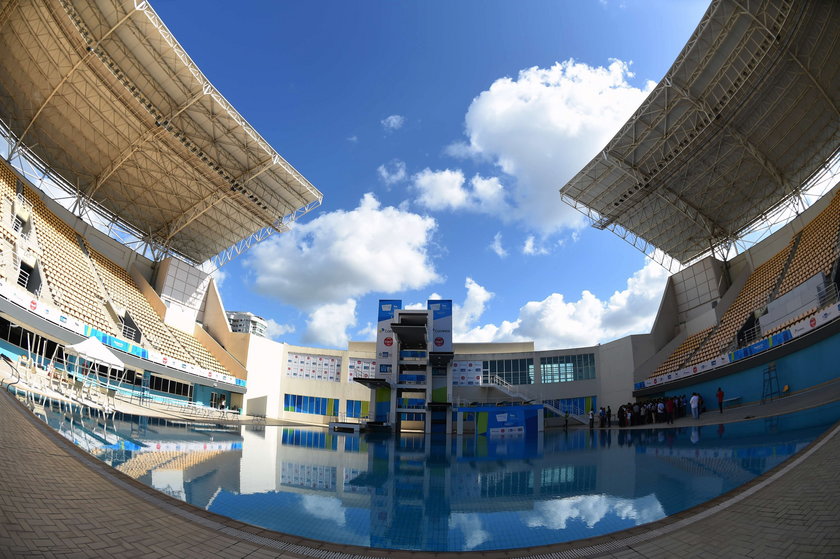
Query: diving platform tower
point(412, 388)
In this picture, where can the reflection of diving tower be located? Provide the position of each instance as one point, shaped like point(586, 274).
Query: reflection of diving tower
point(413, 386)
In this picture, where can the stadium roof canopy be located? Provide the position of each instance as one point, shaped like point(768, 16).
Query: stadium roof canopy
point(102, 93)
point(744, 118)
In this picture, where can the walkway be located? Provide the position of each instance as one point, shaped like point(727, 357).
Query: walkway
point(57, 501)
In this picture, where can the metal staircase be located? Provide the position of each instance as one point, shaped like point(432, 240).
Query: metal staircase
point(505, 387)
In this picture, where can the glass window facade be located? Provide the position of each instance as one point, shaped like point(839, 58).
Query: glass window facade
point(513, 371)
point(310, 404)
point(356, 408)
point(566, 368)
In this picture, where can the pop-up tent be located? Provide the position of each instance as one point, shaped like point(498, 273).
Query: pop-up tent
point(95, 354)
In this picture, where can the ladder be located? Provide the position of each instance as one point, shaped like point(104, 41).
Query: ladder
point(770, 389)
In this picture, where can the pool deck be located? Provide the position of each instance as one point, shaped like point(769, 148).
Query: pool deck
point(57, 501)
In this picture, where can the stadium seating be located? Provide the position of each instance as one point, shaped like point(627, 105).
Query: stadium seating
point(169, 341)
point(683, 352)
point(123, 291)
point(80, 280)
point(74, 288)
point(815, 250)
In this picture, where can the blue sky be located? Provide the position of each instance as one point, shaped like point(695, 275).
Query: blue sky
point(439, 133)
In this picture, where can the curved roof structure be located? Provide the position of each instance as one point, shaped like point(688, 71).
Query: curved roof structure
point(745, 116)
point(102, 91)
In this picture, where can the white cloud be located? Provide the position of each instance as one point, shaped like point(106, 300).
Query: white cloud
point(464, 316)
point(440, 190)
point(346, 254)
point(496, 245)
point(327, 325)
point(531, 248)
point(353, 139)
point(275, 330)
point(366, 334)
point(556, 322)
point(392, 172)
point(321, 265)
point(447, 190)
point(392, 122)
point(544, 126)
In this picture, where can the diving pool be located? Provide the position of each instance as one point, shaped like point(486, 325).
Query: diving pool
point(449, 493)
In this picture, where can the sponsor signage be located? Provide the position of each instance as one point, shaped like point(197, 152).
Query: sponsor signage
point(441, 324)
point(51, 314)
point(384, 335)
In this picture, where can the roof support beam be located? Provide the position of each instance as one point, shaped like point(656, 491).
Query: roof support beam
point(5, 13)
point(82, 60)
point(793, 57)
point(757, 154)
point(665, 194)
point(150, 135)
point(164, 236)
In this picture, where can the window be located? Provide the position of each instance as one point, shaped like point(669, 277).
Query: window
point(512, 371)
point(566, 368)
point(168, 386)
point(310, 404)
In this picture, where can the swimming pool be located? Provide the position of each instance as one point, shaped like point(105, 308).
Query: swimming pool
point(449, 493)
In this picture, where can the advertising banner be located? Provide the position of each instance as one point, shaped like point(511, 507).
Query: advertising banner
point(466, 373)
point(385, 342)
point(441, 324)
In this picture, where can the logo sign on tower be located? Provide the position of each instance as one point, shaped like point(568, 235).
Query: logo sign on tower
point(441, 324)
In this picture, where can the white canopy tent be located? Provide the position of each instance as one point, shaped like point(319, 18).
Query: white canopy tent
point(93, 351)
point(95, 354)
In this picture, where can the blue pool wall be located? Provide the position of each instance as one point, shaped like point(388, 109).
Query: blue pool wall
point(806, 368)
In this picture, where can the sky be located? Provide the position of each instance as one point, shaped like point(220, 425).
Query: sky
point(439, 133)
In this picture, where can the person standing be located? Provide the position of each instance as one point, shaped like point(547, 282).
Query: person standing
point(694, 402)
point(609, 417)
point(669, 411)
point(719, 395)
point(591, 418)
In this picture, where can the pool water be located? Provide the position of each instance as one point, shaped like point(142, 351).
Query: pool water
point(448, 493)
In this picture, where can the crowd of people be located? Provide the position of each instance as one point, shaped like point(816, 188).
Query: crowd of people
point(659, 410)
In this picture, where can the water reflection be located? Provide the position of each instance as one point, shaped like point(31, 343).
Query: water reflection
point(443, 493)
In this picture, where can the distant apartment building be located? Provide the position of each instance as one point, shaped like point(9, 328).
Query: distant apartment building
point(249, 323)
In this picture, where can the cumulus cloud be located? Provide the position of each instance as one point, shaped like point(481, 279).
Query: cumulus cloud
point(392, 122)
point(544, 126)
point(343, 255)
point(448, 190)
point(327, 325)
point(392, 172)
point(531, 247)
point(556, 322)
point(496, 245)
point(275, 330)
point(464, 316)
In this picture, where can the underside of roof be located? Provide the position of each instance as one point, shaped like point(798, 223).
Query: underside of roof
point(102, 92)
point(744, 118)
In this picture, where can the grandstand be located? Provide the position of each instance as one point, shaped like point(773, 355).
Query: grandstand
point(743, 125)
point(103, 114)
